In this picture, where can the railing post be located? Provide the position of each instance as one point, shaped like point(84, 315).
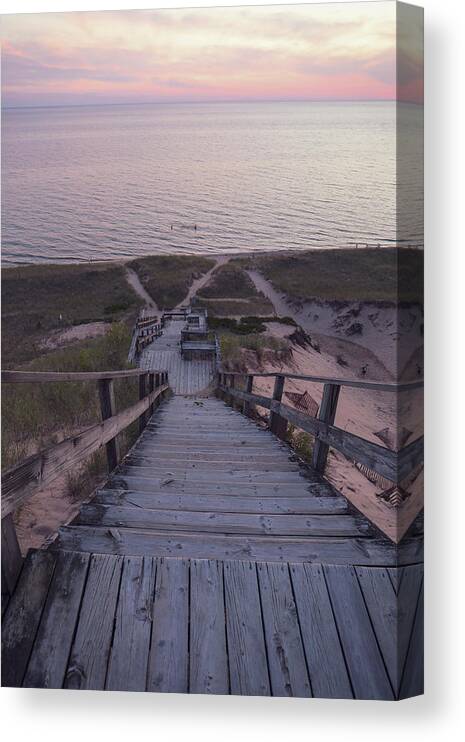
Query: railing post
point(157, 383)
point(327, 414)
point(220, 383)
point(232, 384)
point(142, 394)
point(12, 560)
point(151, 389)
point(247, 407)
point(278, 425)
point(108, 409)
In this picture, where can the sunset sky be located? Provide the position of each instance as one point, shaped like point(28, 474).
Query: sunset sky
point(313, 52)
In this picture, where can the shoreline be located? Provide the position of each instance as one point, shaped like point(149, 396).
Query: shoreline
point(210, 254)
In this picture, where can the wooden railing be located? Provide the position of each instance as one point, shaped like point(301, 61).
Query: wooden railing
point(145, 330)
point(147, 335)
point(36, 472)
point(393, 465)
point(146, 321)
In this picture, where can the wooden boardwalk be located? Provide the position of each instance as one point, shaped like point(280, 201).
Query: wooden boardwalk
point(99, 621)
point(186, 377)
point(213, 562)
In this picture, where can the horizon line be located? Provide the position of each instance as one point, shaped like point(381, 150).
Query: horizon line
point(209, 102)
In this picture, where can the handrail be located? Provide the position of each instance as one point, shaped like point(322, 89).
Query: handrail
point(37, 471)
point(28, 377)
point(393, 465)
point(30, 476)
point(375, 386)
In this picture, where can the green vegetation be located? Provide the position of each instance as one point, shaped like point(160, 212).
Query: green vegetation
point(301, 442)
point(232, 292)
point(35, 296)
point(36, 415)
point(167, 278)
point(232, 345)
point(381, 275)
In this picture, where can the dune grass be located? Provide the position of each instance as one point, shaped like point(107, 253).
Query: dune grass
point(37, 415)
point(232, 347)
point(168, 278)
point(232, 292)
point(34, 297)
point(378, 275)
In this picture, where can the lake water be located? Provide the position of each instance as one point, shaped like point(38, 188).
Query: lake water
point(105, 182)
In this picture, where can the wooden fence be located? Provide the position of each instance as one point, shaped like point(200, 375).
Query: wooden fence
point(20, 482)
point(393, 465)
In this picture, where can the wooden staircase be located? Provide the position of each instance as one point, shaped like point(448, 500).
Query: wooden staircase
point(213, 560)
point(203, 481)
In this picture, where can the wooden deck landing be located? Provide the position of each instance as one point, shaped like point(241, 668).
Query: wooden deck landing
point(186, 377)
point(93, 621)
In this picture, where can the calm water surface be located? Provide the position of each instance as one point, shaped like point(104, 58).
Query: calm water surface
point(105, 182)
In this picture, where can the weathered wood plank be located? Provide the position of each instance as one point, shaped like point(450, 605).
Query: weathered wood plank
point(248, 666)
point(91, 647)
point(23, 614)
point(382, 605)
point(413, 677)
point(286, 658)
point(171, 484)
point(300, 505)
point(143, 391)
point(409, 595)
point(39, 377)
point(190, 457)
point(325, 659)
point(108, 409)
point(238, 445)
point(169, 653)
point(364, 661)
point(222, 522)
point(278, 424)
point(363, 551)
point(181, 465)
point(327, 414)
point(127, 667)
point(231, 475)
point(50, 652)
point(12, 560)
point(208, 655)
point(356, 383)
point(393, 465)
point(38, 471)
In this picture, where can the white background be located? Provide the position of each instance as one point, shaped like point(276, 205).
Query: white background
point(43, 715)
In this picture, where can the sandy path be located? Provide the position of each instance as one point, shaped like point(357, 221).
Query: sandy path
point(135, 283)
point(199, 283)
point(88, 330)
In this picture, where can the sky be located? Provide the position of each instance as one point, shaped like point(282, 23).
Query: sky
point(303, 52)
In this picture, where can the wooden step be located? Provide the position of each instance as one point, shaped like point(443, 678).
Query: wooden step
point(253, 436)
point(228, 476)
point(173, 484)
point(187, 465)
point(162, 444)
point(213, 503)
point(225, 457)
point(221, 522)
point(357, 551)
